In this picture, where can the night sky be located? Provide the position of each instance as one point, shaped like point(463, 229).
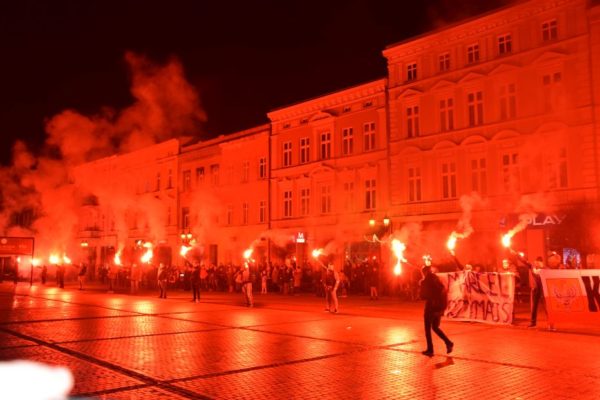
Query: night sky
point(244, 57)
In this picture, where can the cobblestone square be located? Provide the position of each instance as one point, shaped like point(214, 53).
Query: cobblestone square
point(140, 347)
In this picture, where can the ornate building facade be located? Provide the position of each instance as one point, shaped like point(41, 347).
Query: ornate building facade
point(477, 124)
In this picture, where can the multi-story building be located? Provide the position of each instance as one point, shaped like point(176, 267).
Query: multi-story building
point(329, 170)
point(503, 106)
point(127, 198)
point(482, 122)
point(224, 195)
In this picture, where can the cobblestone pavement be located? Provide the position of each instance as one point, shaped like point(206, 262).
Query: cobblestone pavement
point(141, 347)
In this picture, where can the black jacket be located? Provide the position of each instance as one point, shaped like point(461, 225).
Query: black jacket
point(434, 293)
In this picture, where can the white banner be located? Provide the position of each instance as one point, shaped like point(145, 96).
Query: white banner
point(480, 296)
point(572, 296)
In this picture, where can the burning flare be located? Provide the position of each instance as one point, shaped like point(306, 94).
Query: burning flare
point(66, 259)
point(54, 259)
point(398, 248)
point(506, 239)
point(184, 250)
point(147, 257)
point(247, 253)
point(451, 243)
point(317, 252)
point(117, 259)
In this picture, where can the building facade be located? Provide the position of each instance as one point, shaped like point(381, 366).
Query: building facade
point(478, 125)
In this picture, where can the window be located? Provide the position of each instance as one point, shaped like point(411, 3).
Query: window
point(157, 181)
point(245, 213)
point(185, 217)
point(370, 194)
point(170, 179)
point(369, 136)
point(549, 30)
point(169, 216)
point(444, 62)
point(262, 167)
point(305, 202)
point(449, 180)
point(551, 83)
point(187, 180)
point(287, 154)
point(287, 204)
point(510, 172)
point(199, 175)
point(262, 212)
point(325, 199)
point(475, 104)
point(414, 184)
point(325, 145)
point(508, 101)
point(304, 150)
point(447, 114)
point(348, 196)
point(479, 176)
point(473, 53)
point(347, 141)
point(245, 171)
point(412, 121)
point(411, 72)
point(504, 44)
point(214, 174)
point(229, 216)
point(556, 166)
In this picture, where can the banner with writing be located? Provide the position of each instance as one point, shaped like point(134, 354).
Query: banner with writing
point(480, 296)
point(572, 295)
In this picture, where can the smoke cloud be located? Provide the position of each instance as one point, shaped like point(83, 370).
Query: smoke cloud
point(46, 190)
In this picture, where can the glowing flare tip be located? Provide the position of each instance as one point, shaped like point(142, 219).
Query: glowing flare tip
point(147, 257)
point(506, 240)
point(247, 253)
point(117, 258)
point(317, 252)
point(184, 250)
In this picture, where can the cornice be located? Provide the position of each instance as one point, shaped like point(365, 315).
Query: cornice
point(492, 21)
point(328, 101)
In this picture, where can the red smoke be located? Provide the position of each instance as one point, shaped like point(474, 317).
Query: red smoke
point(165, 106)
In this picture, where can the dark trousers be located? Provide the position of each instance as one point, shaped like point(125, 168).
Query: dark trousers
point(162, 286)
point(432, 321)
point(536, 295)
point(196, 290)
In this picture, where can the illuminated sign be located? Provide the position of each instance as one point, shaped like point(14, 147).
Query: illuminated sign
point(300, 238)
point(16, 246)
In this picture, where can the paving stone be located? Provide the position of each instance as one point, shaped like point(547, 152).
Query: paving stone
point(61, 312)
point(88, 376)
point(149, 393)
point(8, 340)
point(244, 317)
point(104, 328)
point(192, 354)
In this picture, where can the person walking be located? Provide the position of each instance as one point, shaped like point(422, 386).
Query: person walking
point(263, 280)
point(537, 292)
point(81, 275)
point(373, 277)
point(135, 277)
point(435, 296)
point(44, 274)
point(60, 276)
point(247, 285)
point(196, 282)
point(162, 276)
point(332, 281)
